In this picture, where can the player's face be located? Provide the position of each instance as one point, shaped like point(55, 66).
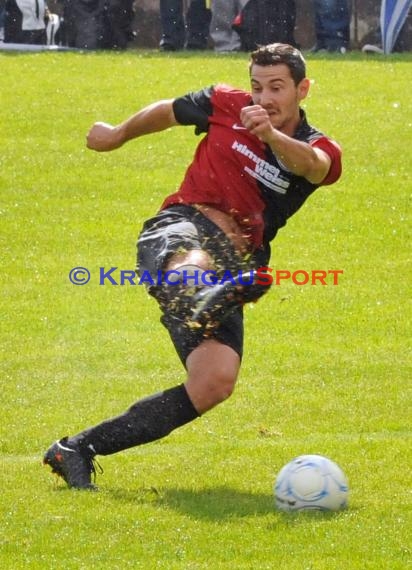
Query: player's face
point(274, 89)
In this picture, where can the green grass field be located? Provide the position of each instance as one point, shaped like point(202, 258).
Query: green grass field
point(326, 368)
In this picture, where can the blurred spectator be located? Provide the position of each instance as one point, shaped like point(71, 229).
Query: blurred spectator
point(118, 18)
point(24, 22)
point(332, 25)
point(83, 23)
point(191, 32)
point(2, 14)
point(97, 24)
point(224, 12)
point(261, 22)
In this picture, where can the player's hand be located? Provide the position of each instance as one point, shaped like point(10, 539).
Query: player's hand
point(103, 137)
point(256, 119)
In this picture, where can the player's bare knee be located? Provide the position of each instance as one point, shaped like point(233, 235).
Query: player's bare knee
point(212, 373)
point(222, 387)
point(206, 392)
point(194, 257)
point(224, 391)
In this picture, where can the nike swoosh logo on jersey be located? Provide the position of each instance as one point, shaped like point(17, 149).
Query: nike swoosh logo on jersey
point(237, 127)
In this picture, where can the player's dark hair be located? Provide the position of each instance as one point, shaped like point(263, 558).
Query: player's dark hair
point(276, 54)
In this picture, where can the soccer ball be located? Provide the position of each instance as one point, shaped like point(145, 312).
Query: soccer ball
point(311, 482)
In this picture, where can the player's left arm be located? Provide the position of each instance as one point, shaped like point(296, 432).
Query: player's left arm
point(310, 161)
point(301, 158)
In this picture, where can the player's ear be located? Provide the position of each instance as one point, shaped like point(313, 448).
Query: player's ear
point(303, 88)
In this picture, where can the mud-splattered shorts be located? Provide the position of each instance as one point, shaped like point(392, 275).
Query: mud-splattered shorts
point(183, 228)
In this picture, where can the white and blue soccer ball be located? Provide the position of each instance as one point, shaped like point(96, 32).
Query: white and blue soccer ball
point(311, 482)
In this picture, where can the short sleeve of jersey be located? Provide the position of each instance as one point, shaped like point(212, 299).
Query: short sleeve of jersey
point(335, 153)
point(194, 108)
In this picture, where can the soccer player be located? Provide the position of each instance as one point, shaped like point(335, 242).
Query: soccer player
point(256, 165)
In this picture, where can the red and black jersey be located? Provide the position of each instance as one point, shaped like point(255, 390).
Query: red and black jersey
point(236, 172)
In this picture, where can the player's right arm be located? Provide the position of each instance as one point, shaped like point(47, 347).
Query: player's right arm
point(156, 117)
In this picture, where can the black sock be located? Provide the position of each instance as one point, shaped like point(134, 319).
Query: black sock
point(147, 420)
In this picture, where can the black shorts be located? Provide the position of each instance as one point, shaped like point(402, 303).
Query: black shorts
point(183, 228)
